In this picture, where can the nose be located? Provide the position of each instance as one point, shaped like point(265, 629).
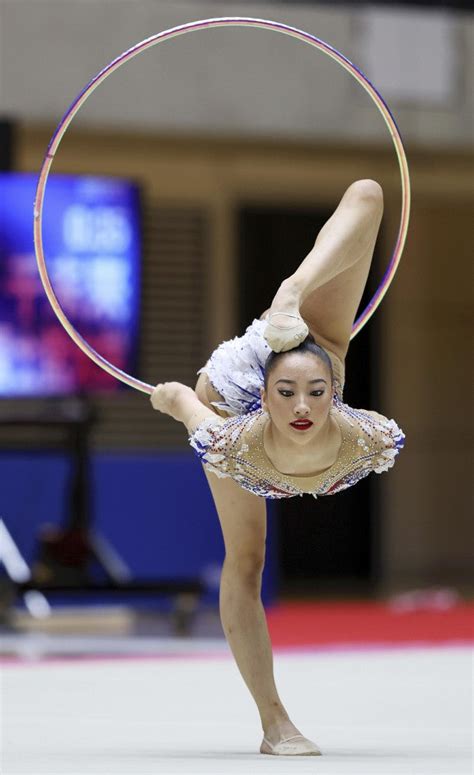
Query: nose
point(302, 409)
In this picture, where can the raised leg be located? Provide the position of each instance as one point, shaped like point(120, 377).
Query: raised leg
point(327, 287)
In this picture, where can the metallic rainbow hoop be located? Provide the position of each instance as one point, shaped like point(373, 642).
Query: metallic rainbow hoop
point(152, 41)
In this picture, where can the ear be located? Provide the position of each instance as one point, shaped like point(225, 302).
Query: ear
point(263, 398)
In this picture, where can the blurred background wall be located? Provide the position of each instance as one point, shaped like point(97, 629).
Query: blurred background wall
point(218, 120)
point(254, 83)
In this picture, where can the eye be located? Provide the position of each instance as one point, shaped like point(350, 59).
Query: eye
point(288, 393)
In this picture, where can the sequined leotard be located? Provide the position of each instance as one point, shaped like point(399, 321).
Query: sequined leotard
point(233, 445)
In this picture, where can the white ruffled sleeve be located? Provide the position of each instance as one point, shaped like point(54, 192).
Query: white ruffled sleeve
point(210, 441)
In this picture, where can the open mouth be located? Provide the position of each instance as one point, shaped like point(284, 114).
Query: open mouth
point(301, 425)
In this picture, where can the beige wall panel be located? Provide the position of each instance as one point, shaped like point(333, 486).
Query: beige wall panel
point(427, 517)
point(426, 379)
point(247, 82)
point(437, 262)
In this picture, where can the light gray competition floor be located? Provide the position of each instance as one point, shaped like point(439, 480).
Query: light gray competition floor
point(395, 711)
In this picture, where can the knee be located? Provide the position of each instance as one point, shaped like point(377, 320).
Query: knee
point(246, 567)
point(367, 190)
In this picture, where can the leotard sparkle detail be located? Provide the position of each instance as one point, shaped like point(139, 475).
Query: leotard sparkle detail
point(232, 446)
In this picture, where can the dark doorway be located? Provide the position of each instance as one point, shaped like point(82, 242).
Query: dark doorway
point(6, 145)
point(329, 543)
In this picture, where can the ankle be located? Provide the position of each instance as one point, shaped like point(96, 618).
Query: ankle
point(289, 294)
point(272, 722)
point(279, 729)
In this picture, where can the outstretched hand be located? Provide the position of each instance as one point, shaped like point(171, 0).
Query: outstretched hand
point(165, 397)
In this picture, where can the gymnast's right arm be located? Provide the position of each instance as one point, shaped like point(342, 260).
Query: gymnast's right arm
point(181, 403)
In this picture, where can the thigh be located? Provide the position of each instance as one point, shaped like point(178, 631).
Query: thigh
point(242, 515)
point(330, 310)
point(206, 393)
point(243, 518)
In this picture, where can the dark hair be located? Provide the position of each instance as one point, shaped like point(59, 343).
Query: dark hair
point(308, 345)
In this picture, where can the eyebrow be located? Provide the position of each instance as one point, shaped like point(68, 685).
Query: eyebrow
point(292, 381)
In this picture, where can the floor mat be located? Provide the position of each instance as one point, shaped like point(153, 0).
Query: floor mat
point(367, 623)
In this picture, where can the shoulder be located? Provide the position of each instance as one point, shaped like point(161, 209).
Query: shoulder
point(389, 429)
point(224, 434)
point(371, 444)
point(221, 445)
point(378, 439)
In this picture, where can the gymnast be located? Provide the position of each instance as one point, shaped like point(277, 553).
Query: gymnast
point(267, 420)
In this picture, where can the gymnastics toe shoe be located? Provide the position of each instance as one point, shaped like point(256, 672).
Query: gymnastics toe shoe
point(283, 338)
point(297, 745)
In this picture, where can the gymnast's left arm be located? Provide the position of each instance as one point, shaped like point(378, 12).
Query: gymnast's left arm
point(181, 403)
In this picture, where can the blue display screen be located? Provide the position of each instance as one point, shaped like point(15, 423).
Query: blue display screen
point(92, 246)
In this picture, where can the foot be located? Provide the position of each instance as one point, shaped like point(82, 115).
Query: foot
point(283, 739)
point(285, 327)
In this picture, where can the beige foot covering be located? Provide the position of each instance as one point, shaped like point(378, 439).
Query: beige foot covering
point(284, 337)
point(297, 745)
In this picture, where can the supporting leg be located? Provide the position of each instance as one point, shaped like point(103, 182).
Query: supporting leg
point(243, 520)
point(245, 627)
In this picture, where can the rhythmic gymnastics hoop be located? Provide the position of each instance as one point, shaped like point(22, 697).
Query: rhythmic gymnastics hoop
point(236, 21)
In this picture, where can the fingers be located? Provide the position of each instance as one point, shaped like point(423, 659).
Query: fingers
point(165, 395)
point(157, 396)
point(162, 396)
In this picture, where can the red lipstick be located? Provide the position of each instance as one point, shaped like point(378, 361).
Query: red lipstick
point(301, 425)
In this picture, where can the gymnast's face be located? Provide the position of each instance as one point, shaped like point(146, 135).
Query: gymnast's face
point(299, 389)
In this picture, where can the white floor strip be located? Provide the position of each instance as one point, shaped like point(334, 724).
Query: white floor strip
point(403, 711)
